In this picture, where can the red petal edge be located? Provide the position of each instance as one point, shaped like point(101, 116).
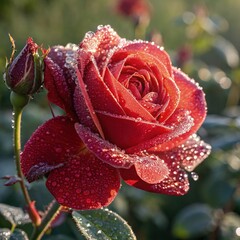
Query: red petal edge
point(184, 157)
point(49, 147)
point(150, 168)
point(76, 178)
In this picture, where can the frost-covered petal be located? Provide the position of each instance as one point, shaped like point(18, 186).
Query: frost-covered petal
point(49, 147)
point(150, 168)
point(181, 123)
point(84, 182)
point(139, 60)
point(58, 77)
point(184, 157)
point(175, 183)
point(192, 98)
point(103, 149)
point(121, 130)
point(151, 49)
point(100, 43)
point(83, 106)
point(98, 92)
point(190, 154)
point(131, 106)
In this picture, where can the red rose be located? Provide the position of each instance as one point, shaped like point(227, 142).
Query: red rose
point(24, 74)
point(129, 113)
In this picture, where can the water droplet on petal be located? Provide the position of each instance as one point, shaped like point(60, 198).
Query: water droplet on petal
point(54, 184)
point(58, 150)
point(99, 27)
point(89, 34)
point(86, 192)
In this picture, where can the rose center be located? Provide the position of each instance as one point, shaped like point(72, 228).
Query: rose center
point(145, 88)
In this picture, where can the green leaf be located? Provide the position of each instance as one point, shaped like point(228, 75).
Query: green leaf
point(13, 215)
point(18, 234)
point(219, 187)
point(102, 224)
point(193, 221)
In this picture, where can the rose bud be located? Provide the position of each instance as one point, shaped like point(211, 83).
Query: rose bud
point(24, 74)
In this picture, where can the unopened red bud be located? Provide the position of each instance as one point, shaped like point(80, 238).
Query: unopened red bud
point(24, 74)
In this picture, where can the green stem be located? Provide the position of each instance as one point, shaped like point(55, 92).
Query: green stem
point(47, 220)
point(17, 116)
point(19, 102)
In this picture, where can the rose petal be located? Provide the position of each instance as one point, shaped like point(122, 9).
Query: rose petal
point(193, 101)
point(110, 80)
point(151, 49)
point(144, 61)
point(58, 76)
point(180, 123)
point(88, 115)
point(100, 44)
point(187, 156)
point(127, 132)
point(99, 93)
point(190, 154)
point(103, 149)
point(49, 147)
point(54, 74)
point(130, 105)
point(175, 184)
point(150, 168)
point(192, 98)
point(84, 111)
point(84, 183)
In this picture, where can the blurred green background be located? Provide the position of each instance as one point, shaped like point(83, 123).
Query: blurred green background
point(203, 38)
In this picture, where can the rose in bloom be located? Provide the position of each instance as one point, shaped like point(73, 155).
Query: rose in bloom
point(24, 73)
point(129, 115)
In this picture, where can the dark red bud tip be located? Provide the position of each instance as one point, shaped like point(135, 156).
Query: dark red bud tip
point(33, 214)
point(32, 45)
point(24, 74)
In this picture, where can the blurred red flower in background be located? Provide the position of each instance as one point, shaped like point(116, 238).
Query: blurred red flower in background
point(138, 10)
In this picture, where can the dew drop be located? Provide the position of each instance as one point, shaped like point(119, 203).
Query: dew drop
point(89, 34)
point(86, 192)
point(58, 150)
point(78, 191)
point(194, 176)
point(54, 184)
